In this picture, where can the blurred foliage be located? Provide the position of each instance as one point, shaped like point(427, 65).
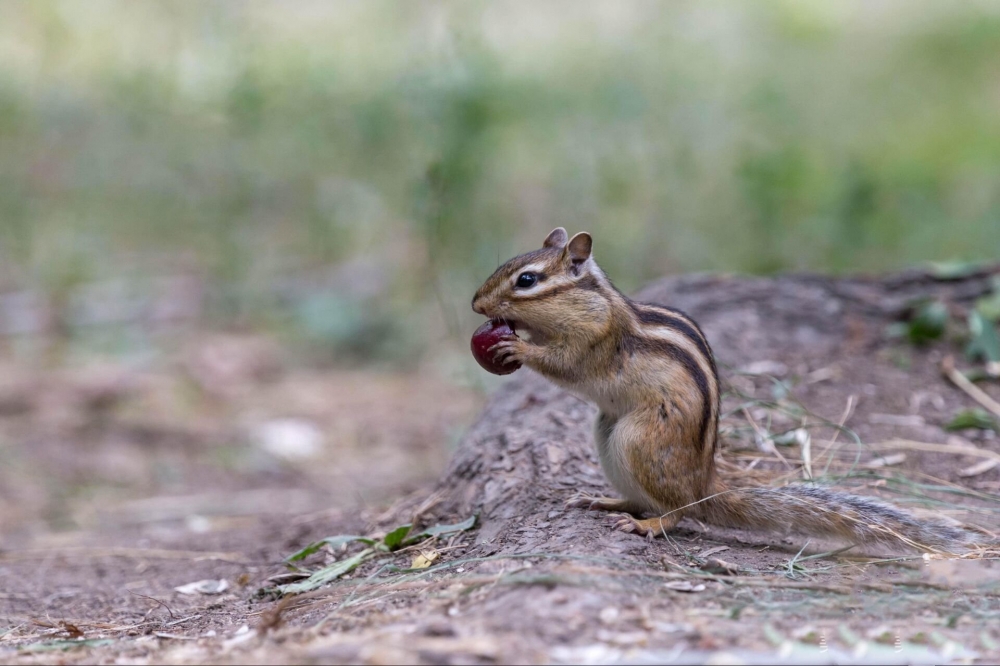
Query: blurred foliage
point(984, 343)
point(976, 418)
point(353, 170)
point(927, 322)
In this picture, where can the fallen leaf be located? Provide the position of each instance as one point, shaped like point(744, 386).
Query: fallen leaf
point(394, 539)
point(175, 637)
point(904, 420)
point(291, 439)
point(684, 586)
point(979, 468)
point(713, 551)
point(798, 436)
point(242, 635)
point(886, 461)
point(439, 530)
point(333, 542)
point(288, 577)
point(71, 629)
point(207, 586)
point(327, 574)
point(408, 538)
point(424, 559)
point(720, 567)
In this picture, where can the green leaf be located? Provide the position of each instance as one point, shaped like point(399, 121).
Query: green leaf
point(928, 322)
point(985, 342)
point(438, 530)
point(980, 374)
point(333, 542)
point(305, 552)
point(973, 418)
point(327, 574)
point(67, 644)
point(953, 270)
point(989, 306)
point(394, 539)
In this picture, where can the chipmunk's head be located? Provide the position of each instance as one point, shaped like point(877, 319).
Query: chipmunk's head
point(550, 292)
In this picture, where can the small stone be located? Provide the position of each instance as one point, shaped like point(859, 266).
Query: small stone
point(609, 615)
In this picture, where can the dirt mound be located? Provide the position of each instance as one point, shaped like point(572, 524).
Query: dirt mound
point(815, 391)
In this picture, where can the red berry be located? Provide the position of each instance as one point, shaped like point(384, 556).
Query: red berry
point(485, 337)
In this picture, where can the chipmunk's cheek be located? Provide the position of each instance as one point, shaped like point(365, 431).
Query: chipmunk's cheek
point(483, 340)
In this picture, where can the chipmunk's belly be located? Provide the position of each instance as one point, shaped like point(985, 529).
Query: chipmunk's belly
point(614, 461)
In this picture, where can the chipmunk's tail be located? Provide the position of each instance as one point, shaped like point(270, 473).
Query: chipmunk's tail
point(824, 512)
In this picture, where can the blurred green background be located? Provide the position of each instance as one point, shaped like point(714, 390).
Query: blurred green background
point(347, 173)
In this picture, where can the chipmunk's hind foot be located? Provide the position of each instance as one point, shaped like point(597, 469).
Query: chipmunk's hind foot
point(627, 513)
point(648, 527)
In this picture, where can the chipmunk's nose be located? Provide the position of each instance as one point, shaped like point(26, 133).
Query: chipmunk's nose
point(477, 307)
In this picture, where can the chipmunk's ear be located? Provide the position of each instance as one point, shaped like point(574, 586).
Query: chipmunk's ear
point(556, 238)
point(578, 249)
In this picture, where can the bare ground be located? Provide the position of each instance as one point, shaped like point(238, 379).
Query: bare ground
point(119, 487)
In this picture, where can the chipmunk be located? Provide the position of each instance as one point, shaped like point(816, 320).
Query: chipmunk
point(651, 373)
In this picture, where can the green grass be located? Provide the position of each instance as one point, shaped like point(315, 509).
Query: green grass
point(352, 172)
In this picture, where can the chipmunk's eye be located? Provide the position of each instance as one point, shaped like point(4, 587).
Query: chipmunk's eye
point(525, 280)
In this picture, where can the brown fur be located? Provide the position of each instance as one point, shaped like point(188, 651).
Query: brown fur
point(652, 374)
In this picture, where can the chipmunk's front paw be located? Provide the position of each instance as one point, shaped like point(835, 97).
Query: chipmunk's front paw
point(513, 350)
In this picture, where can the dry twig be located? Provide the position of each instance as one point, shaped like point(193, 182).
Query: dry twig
point(961, 381)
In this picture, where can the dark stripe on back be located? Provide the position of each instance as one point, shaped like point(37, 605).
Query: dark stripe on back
point(675, 319)
point(679, 321)
point(635, 343)
point(680, 313)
